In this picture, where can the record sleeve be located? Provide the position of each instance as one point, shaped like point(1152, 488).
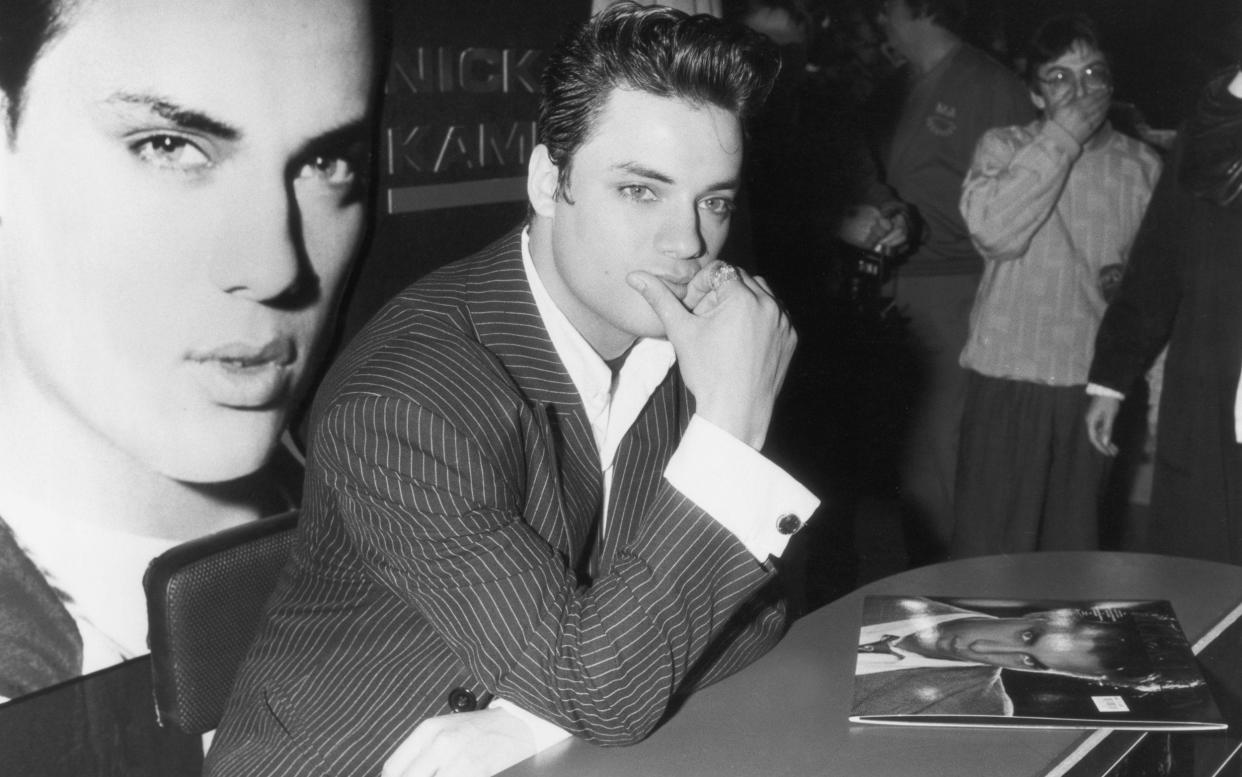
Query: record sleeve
point(938, 661)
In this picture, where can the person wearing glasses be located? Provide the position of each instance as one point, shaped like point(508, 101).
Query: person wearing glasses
point(1053, 207)
point(952, 94)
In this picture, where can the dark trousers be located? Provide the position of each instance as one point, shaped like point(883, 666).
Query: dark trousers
point(1027, 476)
point(938, 307)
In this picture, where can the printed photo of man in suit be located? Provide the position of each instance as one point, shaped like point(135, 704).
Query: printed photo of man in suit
point(921, 655)
point(535, 478)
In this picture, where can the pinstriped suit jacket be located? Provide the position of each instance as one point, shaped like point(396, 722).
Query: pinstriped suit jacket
point(452, 491)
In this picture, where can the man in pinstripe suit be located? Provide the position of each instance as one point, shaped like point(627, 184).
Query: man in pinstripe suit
point(535, 474)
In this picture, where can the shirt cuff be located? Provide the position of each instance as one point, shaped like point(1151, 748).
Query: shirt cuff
point(1096, 390)
point(747, 494)
point(545, 734)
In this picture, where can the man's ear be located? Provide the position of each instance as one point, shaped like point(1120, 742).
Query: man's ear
point(541, 182)
point(1039, 101)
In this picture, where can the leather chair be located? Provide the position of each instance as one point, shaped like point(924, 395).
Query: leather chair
point(204, 601)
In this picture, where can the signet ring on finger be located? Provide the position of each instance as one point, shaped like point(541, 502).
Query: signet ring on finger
point(722, 274)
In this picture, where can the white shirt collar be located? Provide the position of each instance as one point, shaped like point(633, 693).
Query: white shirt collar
point(645, 368)
point(99, 570)
point(611, 408)
point(872, 663)
point(586, 368)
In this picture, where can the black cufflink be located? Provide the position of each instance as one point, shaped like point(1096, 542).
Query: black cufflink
point(461, 700)
point(788, 523)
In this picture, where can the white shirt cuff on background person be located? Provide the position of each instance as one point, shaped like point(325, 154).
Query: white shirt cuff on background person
point(735, 484)
point(1237, 412)
point(1096, 390)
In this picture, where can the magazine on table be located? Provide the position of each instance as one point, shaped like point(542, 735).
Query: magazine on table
point(940, 661)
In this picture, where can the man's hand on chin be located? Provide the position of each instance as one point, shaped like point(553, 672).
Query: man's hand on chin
point(733, 343)
point(462, 744)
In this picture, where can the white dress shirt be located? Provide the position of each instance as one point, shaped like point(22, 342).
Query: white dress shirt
point(98, 571)
point(871, 663)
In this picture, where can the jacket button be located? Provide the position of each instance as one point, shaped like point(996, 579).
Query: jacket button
point(461, 700)
point(788, 523)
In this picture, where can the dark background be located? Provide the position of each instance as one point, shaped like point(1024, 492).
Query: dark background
point(1163, 51)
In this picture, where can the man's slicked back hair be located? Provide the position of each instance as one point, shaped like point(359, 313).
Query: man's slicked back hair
point(26, 29)
point(651, 49)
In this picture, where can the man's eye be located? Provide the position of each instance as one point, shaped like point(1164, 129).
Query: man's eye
point(1097, 77)
point(637, 193)
point(171, 152)
point(1028, 637)
point(719, 206)
point(1057, 78)
point(1030, 661)
point(331, 170)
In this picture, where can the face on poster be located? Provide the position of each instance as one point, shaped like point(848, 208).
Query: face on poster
point(182, 190)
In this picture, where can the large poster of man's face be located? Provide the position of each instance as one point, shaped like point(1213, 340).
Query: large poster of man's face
point(182, 190)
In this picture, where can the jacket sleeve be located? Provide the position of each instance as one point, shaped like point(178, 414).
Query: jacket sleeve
point(437, 514)
point(1014, 183)
point(1139, 322)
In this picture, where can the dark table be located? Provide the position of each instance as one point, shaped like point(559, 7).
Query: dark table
point(787, 714)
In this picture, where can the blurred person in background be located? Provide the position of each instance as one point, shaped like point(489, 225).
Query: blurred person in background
point(1182, 290)
point(953, 93)
point(806, 169)
point(1053, 207)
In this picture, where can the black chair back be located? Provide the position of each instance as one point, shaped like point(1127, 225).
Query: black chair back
point(204, 601)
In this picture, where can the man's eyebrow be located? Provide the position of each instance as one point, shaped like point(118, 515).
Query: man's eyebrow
point(169, 111)
point(731, 183)
point(345, 134)
point(636, 168)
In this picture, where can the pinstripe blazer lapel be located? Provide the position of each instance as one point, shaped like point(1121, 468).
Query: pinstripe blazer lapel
point(507, 321)
point(640, 463)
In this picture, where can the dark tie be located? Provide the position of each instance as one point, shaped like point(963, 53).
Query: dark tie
point(884, 645)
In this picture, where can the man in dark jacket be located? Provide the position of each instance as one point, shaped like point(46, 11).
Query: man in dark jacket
point(1183, 289)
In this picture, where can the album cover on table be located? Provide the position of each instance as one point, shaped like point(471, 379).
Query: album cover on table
point(939, 661)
